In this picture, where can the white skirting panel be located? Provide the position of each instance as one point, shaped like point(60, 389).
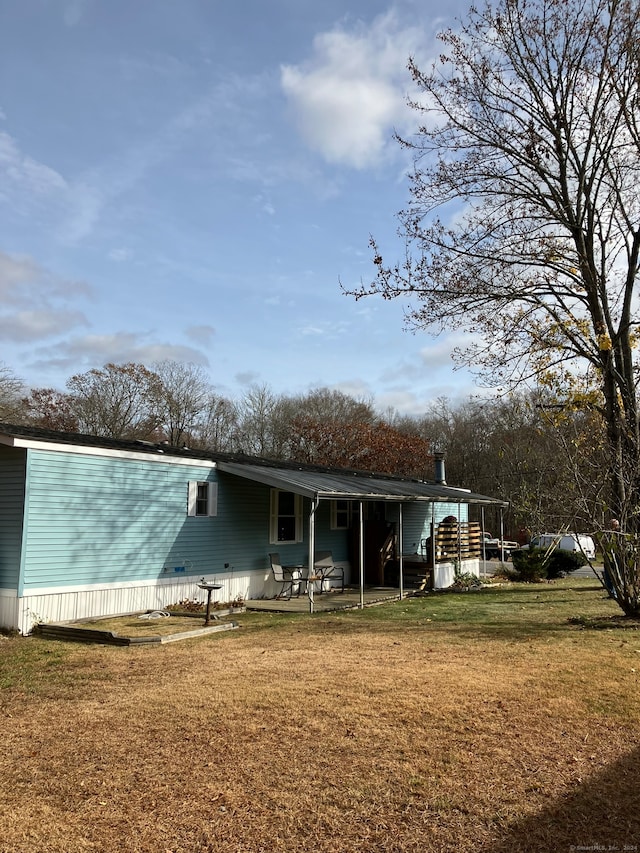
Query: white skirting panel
point(9, 609)
point(445, 573)
point(69, 604)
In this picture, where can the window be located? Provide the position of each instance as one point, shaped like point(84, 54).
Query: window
point(286, 518)
point(341, 515)
point(202, 498)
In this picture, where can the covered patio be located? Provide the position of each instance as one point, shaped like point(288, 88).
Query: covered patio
point(360, 488)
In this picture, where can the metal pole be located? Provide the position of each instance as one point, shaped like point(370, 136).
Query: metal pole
point(361, 549)
point(483, 551)
point(312, 551)
point(433, 542)
point(501, 535)
point(400, 549)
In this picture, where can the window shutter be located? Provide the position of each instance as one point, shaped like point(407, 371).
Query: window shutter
point(212, 499)
point(273, 517)
point(298, 504)
point(192, 497)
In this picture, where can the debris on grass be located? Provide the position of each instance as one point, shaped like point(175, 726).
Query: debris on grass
point(602, 623)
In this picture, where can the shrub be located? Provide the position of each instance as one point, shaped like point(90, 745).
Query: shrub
point(530, 564)
point(534, 564)
point(562, 563)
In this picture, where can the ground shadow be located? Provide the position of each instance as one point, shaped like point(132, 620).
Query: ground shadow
point(601, 814)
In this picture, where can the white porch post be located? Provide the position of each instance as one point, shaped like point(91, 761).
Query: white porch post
point(361, 549)
point(483, 549)
point(312, 551)
point(400, 549)
point(433, 538)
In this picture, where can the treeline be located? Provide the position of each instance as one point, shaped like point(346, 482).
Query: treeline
point(175, 402)
point(547, 463)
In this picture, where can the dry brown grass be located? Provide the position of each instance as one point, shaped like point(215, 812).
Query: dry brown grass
point(420, 728)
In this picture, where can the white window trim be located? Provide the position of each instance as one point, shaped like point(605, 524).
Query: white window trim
point(192, 498)
point(273, 519)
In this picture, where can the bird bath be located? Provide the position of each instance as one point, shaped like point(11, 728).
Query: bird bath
point(209, 586)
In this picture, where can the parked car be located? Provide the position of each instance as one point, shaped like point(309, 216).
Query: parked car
point(565, 542)
point(492, 547)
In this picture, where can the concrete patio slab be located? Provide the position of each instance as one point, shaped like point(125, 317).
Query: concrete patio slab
point(326, 602)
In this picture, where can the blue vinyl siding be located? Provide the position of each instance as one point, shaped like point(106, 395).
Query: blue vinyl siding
point(12, 485)
point(94, 519)
point(417, 521)
point(336, 541)
point(242, 526)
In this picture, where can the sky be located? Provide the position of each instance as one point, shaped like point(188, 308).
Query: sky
point(195, 179)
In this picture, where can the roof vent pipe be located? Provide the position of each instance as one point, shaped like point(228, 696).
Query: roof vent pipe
point(438, 468)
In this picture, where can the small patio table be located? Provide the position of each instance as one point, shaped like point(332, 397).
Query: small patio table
point(295, 574)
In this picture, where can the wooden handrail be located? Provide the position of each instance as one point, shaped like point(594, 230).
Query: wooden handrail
point(387, 550)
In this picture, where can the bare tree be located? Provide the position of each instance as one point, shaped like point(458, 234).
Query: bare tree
point(217, 428)
point(524, 220)
point(259, 416)
point(333, 405)
point(183, 395)
point(119, 401)
point(11, 390)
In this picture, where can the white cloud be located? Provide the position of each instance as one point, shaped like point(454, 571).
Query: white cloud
point(83, 352)
point(312, 331)
point(75, 206)
point(120, 255)
point(326, 330)
point(247, 377)
point(21, 172)
point(30, 326)
point(202, 334)
point(439, 353)
point(403, 402)
point(357, 388)
point(350, 95)
point(23, 284)
point(23, 281)
point(16, 272)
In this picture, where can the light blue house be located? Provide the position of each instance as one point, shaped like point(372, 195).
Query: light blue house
point(96, 527)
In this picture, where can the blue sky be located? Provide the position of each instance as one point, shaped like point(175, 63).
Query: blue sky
point(191, 179)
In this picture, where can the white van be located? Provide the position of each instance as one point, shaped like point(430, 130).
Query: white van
point(566, 542)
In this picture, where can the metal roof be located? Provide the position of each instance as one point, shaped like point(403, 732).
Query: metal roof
point(353, 486)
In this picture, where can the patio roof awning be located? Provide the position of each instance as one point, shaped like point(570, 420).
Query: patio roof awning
point(320, 485)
